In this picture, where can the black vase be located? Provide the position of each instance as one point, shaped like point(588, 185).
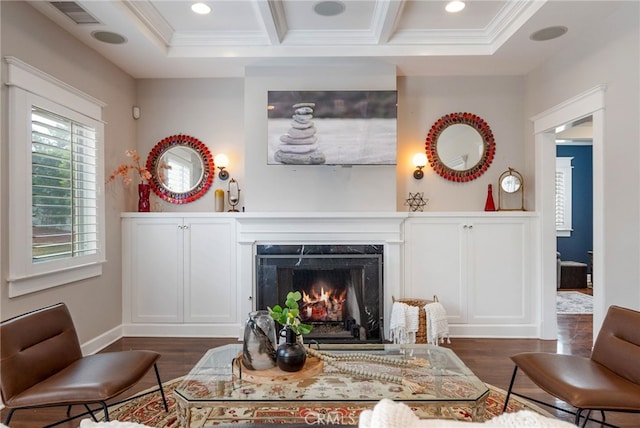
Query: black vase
point(291, 354)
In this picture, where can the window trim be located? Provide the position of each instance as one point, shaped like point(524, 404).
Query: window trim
point(28, 86)
point(564, 165)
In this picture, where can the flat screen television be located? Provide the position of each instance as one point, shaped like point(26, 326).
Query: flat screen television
point(332, 127)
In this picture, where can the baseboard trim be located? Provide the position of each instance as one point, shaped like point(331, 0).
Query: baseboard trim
point(507, 331)
point(98, 343)
point(182, 330)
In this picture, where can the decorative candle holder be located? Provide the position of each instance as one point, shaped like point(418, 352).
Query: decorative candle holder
point(233, 195)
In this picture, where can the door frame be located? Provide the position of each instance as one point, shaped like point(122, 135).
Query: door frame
point(588, 103)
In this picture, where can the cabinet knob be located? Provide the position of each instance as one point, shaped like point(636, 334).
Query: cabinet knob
point(470, 226)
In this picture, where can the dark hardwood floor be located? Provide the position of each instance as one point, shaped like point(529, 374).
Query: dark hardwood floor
point(488, 358)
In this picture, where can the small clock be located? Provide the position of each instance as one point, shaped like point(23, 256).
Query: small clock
point(510, 183)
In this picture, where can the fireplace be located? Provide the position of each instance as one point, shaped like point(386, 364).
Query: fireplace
point(341, 287)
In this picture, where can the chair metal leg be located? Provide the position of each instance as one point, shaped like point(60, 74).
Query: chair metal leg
point(105, 409)
point(513, 378)
point(576, 421)
point(586, 419)
point(9, 416)
point(164, 400)
point(86, 406)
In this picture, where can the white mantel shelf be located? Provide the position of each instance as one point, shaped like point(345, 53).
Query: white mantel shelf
point(331, 214)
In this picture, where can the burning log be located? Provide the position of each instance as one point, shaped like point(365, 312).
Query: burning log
point(323, 306)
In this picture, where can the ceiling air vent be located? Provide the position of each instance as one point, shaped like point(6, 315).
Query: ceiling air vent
point(75, 12)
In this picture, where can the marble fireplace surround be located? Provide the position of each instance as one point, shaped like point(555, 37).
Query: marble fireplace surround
point(321, 229)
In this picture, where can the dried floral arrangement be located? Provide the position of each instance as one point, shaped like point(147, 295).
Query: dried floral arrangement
point(124, 169)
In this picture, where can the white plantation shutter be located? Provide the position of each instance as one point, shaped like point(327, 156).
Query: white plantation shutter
point(564, 172)
point(64, 181)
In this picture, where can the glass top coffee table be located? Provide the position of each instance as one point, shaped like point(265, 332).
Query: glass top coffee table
point(422, 376)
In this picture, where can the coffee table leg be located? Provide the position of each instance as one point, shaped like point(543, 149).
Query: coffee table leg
point(184, 412)
point(479, 410)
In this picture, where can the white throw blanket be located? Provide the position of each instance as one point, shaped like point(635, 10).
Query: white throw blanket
point(404, 323)
point(389, 414)
point(437, 324)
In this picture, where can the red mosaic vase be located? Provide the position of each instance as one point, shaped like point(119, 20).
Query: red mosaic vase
point(144, 190)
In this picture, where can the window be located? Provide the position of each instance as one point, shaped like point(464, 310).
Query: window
point(56, 200)
point(563, 196)
point(63, 187)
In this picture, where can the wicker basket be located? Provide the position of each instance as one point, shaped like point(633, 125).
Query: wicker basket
point(421, 334)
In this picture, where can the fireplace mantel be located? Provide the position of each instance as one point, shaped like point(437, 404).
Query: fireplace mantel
point(322, 228)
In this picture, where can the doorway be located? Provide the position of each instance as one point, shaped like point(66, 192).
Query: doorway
point(574, 204)
point(589, 103)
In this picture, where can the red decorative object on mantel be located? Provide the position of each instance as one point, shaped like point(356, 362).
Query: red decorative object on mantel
point(489, 205)
point(144, 206)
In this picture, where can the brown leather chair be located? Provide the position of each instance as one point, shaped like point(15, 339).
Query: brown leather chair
point(41, 365)
point(609, 380)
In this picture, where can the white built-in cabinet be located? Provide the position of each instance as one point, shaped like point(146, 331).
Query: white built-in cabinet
point(179, 271)
point(192, 274)
point(479, 266)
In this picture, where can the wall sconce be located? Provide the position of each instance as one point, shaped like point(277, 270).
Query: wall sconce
point(419, 161)
point(222, 161)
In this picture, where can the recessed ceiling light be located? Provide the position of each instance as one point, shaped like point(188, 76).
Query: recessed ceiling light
point(329, 8)
point(109, 37)
point(455, 6)
point(200, 8)
point(548, 33)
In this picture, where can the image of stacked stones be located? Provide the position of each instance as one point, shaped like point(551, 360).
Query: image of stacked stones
point(299, 146)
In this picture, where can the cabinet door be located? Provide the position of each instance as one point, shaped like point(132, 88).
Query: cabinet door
point(210, 266)
point(497, 269)
point(155, 270)
point(435, 258)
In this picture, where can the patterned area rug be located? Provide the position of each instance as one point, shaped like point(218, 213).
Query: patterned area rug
point(148, 410)
point(573, 302)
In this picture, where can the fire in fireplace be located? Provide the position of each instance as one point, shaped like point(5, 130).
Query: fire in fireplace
point(323, 305)
point(341, 287)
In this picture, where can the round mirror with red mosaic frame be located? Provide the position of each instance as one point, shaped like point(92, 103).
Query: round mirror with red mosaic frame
point(460, 146)
point(182, 169)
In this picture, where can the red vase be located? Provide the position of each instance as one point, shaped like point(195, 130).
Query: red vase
point(489, 205)
point(143, 198)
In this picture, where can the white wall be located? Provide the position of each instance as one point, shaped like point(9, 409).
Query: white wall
point(34, 39)
point(608, 54)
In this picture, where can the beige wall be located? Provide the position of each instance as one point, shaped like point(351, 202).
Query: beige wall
point(312, 187)
point(210, 110)
point(229, 116)
point(95, 304)
point(423, 100)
